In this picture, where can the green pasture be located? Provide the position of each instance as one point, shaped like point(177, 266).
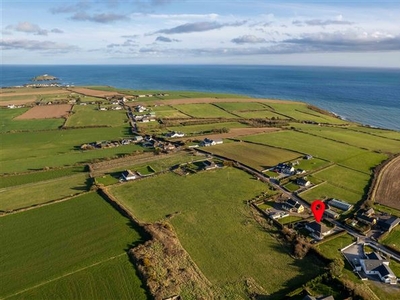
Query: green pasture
point(205, 110)
point(57, 241)
point(120, 282)
point(44, 191)
point(291, 186)
point(167, 111)
point(240, 106)
point(393, 239)
point(37, 150)
point(345, 178)
point(8, 123)
point(261, 114)
point(319, 147)
point(387, 133)
point(14, 180)
point(358, 139)
point(327, 190)
point(256, 156)
point(331, 248)
point(203, 128)
point(300, 111)
point(89, 115)
point(10, 97)
point(145, 170)
point(214, 223)
point(311, 164)
point(171, 94)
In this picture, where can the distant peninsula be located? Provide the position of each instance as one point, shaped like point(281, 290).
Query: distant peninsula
point(44, 77)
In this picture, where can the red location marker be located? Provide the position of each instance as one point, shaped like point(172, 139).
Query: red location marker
point(318, 208)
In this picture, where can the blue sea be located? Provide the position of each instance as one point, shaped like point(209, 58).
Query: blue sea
point(365, 95)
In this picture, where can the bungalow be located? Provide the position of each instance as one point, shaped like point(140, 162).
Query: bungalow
point(209, 165)
point(303, 182)
point(278, 215)
point(129, 175)
point(175, 134)
point(318, 230)
point(388, 223)
point(140, 108)
point(137, 138)
point(340, 204)
point(294, 206)
point(374, 264)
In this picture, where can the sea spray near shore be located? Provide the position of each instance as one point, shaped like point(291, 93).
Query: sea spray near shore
point(367, 96)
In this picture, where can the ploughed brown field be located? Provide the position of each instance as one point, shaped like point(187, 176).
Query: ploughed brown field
point(388, 185)
point(93, 93)
point(46, 112)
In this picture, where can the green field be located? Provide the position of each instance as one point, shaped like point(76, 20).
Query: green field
point(167, 111)
point(37, 150)
point(241, 106)
point(213, 223)
point(311, 164)
point(13, 180)
point(256, 156)
point(89, 115)
point(391, 134)
point(319, 147)
point(344, 178)
point(362, 140)
point(327, 190)
point(331, 248)
point(43, 191)
point(56, 243)
point(393, 239)
point(7, 122)
point(197, 129)
point(203, 111)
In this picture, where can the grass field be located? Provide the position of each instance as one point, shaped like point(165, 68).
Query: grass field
point(55, 242)
point(213, 224)
point(319, 147)
point(196, 129)
point(327, 190)
point(311, 164)
point(57, 148)
point(259, 115)
point(89, 115)
point(393, 239)
point(331, 248)
point(121, 282)
point(256, 156)
point(167, 111)
point(391, 134)
point(362, 140)
point(43, 191)
point(344, 178)
point(13, 180)
point(7, 122)
point(205, 110)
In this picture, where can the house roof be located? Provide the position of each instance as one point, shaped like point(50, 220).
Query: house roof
point(291, 202)
point(388, 223)
point(318, 228)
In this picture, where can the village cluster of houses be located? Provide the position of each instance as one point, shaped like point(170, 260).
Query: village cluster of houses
point(383, 222)
point(12, 106)
point(111, 144)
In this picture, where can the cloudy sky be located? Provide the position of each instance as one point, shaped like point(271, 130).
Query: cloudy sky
point(319, 32)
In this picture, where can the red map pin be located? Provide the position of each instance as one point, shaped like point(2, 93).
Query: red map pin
point(318, 208)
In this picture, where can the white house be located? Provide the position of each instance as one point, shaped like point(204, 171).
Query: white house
point(129, 175)
point(318, 230)
point(374, 264)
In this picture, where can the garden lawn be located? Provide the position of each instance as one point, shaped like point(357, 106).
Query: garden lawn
point(111, 279)
point(327, 190)
point(256, 156)
point(7, 122)
point(393, 239)
point(331, 248)
point(43, 191)
point(319, 147)
point(216, 227)
point(60, 239)
point(345, 178)
point(89, 115)
point(203, 111)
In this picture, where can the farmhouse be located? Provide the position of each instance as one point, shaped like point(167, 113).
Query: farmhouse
point(209, 165)
point(278, 215)
point(388, 223)
point(318, 230)
point(208, 142)
point(129, 175)
point(374, 264)
point(366, 216)
point(303, 182)
point(175, 134)
point(340, 204)
point(294, 206)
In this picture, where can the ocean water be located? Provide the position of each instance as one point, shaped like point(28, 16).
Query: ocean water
point(364, 95)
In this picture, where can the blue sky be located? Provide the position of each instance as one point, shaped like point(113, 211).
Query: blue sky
point(331, 33)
